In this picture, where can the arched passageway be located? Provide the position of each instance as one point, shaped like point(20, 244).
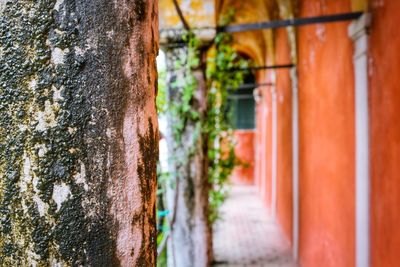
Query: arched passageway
point(325, 142)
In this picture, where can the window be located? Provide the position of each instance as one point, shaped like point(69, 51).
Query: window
point(242, 105)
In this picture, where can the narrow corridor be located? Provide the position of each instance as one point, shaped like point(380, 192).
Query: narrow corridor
point(246, 236)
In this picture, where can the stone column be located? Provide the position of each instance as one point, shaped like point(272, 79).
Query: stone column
point(78, 133)
point(189, 244)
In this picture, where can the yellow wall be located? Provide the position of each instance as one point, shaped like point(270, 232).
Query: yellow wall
point(198, 13)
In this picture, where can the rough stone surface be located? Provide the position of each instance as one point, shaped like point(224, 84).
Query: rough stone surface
point(78, 132)
point(246, 236)
point(189, 244)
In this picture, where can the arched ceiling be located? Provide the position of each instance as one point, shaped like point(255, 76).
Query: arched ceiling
point(256, 44)
point(259, 45)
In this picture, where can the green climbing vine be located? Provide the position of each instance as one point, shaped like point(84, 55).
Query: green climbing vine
point(222, 80)
point(213, 125)
point(175, 103)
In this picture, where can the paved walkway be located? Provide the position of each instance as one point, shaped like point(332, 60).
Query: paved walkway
point(246, 236)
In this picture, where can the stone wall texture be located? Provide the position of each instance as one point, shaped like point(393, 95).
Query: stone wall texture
point(78, 132)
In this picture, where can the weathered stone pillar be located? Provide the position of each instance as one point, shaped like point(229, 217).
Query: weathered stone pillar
point(189, 244)
point(78, 132)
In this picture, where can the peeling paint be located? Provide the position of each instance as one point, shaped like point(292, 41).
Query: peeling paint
point(320, 32)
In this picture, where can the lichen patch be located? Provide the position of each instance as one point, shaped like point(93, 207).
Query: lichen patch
point(41, 206)
point(79, 51)
point(26, 174)
point(80, 177)
point(58, 4)
point(33, 84)
point(57, 94)
point(2, 4)
point(61, 192)
point(47, 118)
point(58, 55)
point(59, 76)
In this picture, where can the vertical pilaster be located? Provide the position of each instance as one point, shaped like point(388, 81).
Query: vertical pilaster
point(274, 166)
point(358, 32)
point(295, 162)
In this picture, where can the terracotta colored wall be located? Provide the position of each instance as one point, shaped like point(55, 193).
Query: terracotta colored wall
point(266, 178)
point(263, 144)
point(244, 151)
point(258, 148)
point(259, 141)
point(384, 71)
point(284, 171)
point(326, 110)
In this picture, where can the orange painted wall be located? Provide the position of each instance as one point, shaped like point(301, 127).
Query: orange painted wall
point(263, 146)
point(244, 151)
point(260, 144)
point(326, 110)
point(266, 179)
point(284, 136)
point(258, 148)
point(384, 69)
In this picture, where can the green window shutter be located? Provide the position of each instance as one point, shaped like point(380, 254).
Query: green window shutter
point(242, 111)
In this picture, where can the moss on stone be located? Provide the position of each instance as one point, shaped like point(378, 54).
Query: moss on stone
point(44, 115)
point(62, 90)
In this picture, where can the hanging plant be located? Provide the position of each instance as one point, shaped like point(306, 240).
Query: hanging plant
point(213, 126)
point(222, 81)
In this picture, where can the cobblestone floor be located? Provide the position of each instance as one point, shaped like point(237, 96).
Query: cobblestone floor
point(246, 236)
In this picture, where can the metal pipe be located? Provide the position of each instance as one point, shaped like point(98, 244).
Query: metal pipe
point(290, 22)
point(270, 67)
point(251, 86)
point(278, 23)
point(237, 97)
